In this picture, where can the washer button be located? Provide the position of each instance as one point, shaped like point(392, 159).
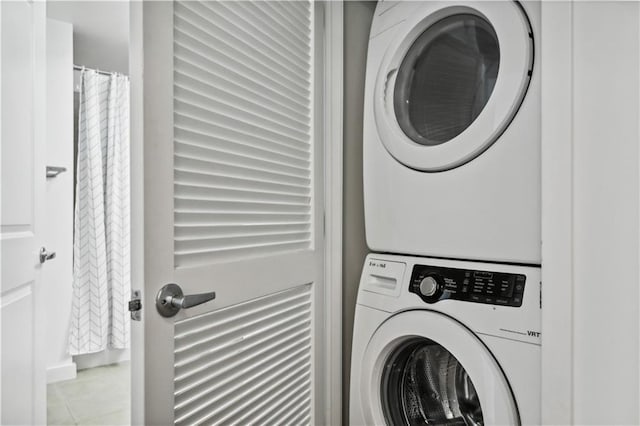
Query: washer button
point(428, 286)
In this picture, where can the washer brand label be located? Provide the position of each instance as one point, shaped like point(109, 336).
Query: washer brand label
point(529, 333)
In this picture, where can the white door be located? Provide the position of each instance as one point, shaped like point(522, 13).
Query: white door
point(233, 202)
point(23, 386)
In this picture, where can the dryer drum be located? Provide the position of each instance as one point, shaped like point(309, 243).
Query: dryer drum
point(423, 383)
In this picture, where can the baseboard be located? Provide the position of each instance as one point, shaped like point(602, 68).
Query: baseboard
point(62, 372)
point(98, 359)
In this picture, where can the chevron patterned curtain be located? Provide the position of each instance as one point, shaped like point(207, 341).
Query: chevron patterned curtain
point(101, 270)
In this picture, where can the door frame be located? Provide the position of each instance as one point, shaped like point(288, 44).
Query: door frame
point(572, 231)
point(333, 168)
point(331, 354)
point(136, 175)
point(557, 212)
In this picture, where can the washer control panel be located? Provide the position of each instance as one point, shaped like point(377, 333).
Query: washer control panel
point(434, 283)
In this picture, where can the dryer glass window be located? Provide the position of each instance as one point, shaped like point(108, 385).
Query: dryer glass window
point(446, 78)
point(424, 384)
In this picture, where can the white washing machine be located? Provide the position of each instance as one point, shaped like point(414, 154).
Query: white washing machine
point(452, 130)
point(445, 342)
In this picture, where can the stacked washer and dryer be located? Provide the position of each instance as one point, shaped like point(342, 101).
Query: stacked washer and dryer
point(447, 326)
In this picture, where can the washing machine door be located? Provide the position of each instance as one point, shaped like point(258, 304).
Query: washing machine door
point(424, 368)
point(452, 80)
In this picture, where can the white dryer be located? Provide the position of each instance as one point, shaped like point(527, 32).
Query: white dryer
point(452, 130)
point(445, 342)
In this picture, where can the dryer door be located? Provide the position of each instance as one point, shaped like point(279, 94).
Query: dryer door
point(422, 367)
point(452, 80)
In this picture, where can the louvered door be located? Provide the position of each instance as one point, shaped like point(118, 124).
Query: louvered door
point(233, 200)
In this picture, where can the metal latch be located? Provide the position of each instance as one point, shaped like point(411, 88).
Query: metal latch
point(135, 305)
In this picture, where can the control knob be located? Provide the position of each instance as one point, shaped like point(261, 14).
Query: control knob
point(429, 286)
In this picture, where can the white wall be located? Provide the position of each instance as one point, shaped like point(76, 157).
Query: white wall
point(591, 163)
point(100, 32)
point(357, 22)
point(58, 279)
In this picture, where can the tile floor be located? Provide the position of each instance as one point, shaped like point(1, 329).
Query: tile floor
point(98, 396)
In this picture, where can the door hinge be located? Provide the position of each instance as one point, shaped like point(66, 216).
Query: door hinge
point(135, 305)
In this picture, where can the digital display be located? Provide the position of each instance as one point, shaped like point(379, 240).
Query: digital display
point(483, 274)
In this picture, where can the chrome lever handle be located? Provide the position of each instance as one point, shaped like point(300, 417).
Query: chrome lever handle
point(170, 299)
point(46, 255)
point(193, 300)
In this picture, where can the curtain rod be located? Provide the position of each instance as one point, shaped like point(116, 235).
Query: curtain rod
point(79, 68)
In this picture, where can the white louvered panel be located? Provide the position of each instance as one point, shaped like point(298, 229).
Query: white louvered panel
point(242, 129)
point(246, 364)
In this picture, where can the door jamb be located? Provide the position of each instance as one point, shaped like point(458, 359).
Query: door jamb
point(136, 61)
point(333, 176)
point(557, 212)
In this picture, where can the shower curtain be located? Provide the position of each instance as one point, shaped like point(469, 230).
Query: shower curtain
point(101, 252)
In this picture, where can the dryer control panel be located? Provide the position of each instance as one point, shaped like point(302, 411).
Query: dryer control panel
point(434, 283)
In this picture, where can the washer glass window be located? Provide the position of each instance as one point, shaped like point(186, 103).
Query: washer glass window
point(424, 384)
point(446, 78)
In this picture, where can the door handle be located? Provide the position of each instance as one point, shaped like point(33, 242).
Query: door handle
point(385, 88)
point(53, 171)
point(170, 299)
point(46, 255)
